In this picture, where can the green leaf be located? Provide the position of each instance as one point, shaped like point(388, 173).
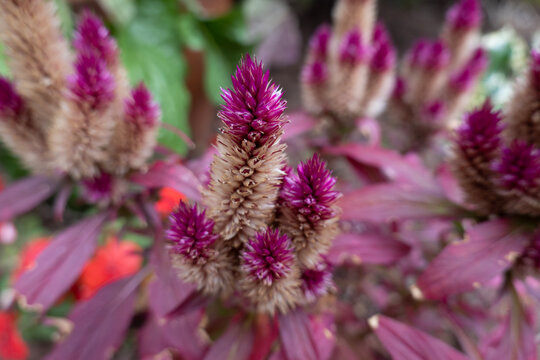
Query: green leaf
point(4, 69)
point(66, 18)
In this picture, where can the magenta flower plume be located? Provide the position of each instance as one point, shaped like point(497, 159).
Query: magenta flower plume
point(466, 77)
point(535, 68)
point(253, 108)
point(315, 73)
point(481, 132)
point(318, 44)
point(11, 103)
point(268, 257)
point(519, 167)
point(434, 56)
point(353, 49)
point(140, 108)
point(400, 87)
point(384, 56)
point(92, 37)
point(316, 281)
point(98, 188)
point(92, 83)
point(415, 54)
point(466, 14)
point(191, 232)
point(311, 192)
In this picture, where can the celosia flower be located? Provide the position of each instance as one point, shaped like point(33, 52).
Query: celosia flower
point(268, 257)
point(315, 281)
point(140, 108)
point(434, 56)
point(92, 83)
point(319, 42)
point(93, 38)
point(12, 345)
point(315, 73)
point(463, 79)
point(480, 133)
point(400, 88)
point(191, 233)
point(415, 55)
point(114, 261)
point(465, 14)
point(518, 167)
point(535, 67)
point(384, 56)
point(353, 49)
point(11, 103)
point(98, 188)
point(169, 199)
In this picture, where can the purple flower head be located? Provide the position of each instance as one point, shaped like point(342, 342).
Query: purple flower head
point(519, 167)
point(92, 83)
point(311, 192)
point(434, 56)
point(466, 77)
point(464, 15)
point(535, 68)
point(98, 188)
point(353, 50)
point(268, 257)
point(384, 56)
point(481, 131)
point(416, 52)
point(400, 87)
point(191, 232)
point(253, 109)
point(11, 103)
point(318, 44)
point(315, 73)
point(316, 281)
point(140, 108)
point(92, 37)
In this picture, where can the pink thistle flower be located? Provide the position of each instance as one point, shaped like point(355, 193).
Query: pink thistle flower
point(92, 37)
point(519, 167)
point(311, 193)
point(353, 50)
point(315, 73)
point(92, 83)
point(140, 108)
point(316, 281)
point(11, 103)
point(481, 132)
point(466, 14)
point(253, 108)
point(318, 44)
point(191, 232)
point(268, 257)
point(98, 188)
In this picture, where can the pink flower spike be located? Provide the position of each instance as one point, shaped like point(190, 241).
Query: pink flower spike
point(11, 103)
point(435, 56)
point(434, 111)
point(380, 34)
point(415, 54)
point(316, 281)
point(353, 49)
point(384, 56)
point(92, 37)
point(253, 109)
point(140, 108)
point(535, 68)
point(268, 257)
point(92, 83)
point(519, 167)
point(464, 15)
point(400, 88)
point(466, 77)
point(481, 131)
point(191, 232)
point(315, 73)
point(318, 44)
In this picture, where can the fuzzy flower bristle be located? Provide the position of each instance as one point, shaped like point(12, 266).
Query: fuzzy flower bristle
point(353, 50)
point(465, 14)
point(481, 132)
point(92, 37)
point(191, 232)
point(253, 109)
point(319, 42)
point(92, 83)
point(140, 108)
point(311, 192)
point(315, 281)
point(519, 167)
point(10, 102)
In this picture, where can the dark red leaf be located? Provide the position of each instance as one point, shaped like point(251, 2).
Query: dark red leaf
point(100, 323)
point(173, 175)
point(296, 336)
point(368, 248)
point(59, 265)
point(24, 195)
point(236, 343)
point(487, 251)
point(406, 343)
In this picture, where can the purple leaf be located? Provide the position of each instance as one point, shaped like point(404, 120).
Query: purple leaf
point(393, 201)
point(323, 331)
point(59, 265)
point(406, 343)
point(299, 122)
point(24, 195)
point(176, 176)
point(450, 185)
point(236, 343)
point(368, 248)
point(296, 336)
point(100, 323)
point(151, 340)
point(184, 335)
point(487, 251)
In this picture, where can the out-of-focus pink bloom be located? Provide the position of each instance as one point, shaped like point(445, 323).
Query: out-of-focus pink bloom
point(315, 72)
point(92, 83)
point(93, 38)
point(11, 103)
point(98, 188)
point(464, 15)
point(140, 108)
point(463, 79)
point(535, 67)
point(353, 49)
point(400, 88)
point(414, 56)
point(316, 281)
point(434, 56)
point(318, 44)
point(519, 167)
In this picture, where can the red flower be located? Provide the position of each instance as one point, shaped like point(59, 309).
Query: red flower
point(29, 254)
point(169, 199)
point(115, 260)
point(12, 346)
